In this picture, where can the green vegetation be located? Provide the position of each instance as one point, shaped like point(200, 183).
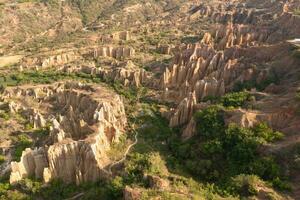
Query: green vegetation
point(234, 99)
point(141, 164)
point(22, 142)
point(246, 185)
point(43, 77)
point(218, 152)
point(296, 11)
point(28, 189)
point(132, 94)
point(4, 115)
point(296, 53)
point(2, 160)
point(191, 39)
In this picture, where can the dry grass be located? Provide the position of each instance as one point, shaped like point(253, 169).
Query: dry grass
point(9, 60)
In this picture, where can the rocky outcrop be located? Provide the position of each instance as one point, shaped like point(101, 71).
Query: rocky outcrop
point(215, 64)
point(86, 120)
point(198, 68)
point(223, 13)
point(284, 120)
point(184, 111)
point(113, 52)
point(126, 73)
point(123, 35)
point(62, 57)
point(132, 193)
point(43, 61)
point(158, 183)
point(117, 36)
point(32, 164)
point(190, 130)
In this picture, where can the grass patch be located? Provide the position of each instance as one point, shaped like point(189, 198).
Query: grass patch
point(22, 142)
point(296, 11)
point(2, 160)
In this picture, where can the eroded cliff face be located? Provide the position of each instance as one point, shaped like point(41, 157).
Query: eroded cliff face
point(229, 53)
point(85, 121)
point(73, 61)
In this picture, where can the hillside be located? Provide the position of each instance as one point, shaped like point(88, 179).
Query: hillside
point(156, 99)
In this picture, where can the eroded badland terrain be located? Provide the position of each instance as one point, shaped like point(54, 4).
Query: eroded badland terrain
point(149, 99)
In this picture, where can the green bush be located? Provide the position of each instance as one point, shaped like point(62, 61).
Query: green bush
point(22, 142)
point(236, 99)
point(116, 187)
point(210, 122)
point(4, 115)
point(4, 187)
point(246, 185)
point(218, 152)
point(140, 164)
point(2, 159)
point(266, 133)
point(296, 11)
point(281, 185)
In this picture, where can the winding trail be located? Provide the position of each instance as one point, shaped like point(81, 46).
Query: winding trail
point(125, 154)
point(109, 172)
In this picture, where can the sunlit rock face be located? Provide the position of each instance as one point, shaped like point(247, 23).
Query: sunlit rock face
point(231, 51)
point(86, 120)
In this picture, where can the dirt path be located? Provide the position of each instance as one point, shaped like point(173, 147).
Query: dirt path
point(109, 170)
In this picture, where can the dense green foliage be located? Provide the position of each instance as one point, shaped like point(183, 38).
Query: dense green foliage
point(2, 159)
point(233, 99)
point(219, 152)
point(246, 185)
point(140, 164)
point(21, 143)
point(29, 189)
point(43, 77)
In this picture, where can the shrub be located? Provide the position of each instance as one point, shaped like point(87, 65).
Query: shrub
point(140, 164)
point(236, 99)
point(22, 142)
point(281, 185)
point(4, 187)
point(2, 159)
point(265, 167)
point(4, 115)
point(31, 186)
point(296, 11)
point(219, 152)
point(115, 187)
point(210, 122)
point(264, 131)
point(246, 185)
